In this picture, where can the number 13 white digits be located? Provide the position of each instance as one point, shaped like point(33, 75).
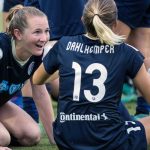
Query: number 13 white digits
point(96, 82)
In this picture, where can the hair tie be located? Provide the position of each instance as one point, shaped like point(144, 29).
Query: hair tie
point(96, 15)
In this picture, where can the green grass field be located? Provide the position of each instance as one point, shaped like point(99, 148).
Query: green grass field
point(43, 145)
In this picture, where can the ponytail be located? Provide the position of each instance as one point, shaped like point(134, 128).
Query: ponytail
point(104, 33)
point(99, 17)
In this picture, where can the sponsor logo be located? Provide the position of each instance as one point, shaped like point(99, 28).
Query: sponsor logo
point(82, 117)
point(11, 88)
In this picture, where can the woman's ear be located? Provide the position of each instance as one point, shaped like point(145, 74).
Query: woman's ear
point(17, 34)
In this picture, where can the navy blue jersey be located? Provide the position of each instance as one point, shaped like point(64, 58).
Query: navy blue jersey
point(134, 13)
point(64, 16)
point(11, 3)
point(13, 75)
point(91, 80)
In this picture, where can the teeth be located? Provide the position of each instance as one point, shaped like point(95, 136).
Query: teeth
point(39, 46)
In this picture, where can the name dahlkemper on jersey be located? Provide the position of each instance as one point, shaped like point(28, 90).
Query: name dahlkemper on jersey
point(86, 49)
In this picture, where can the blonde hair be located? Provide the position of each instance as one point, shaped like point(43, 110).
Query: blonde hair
point(18, 16)
point(99, 16)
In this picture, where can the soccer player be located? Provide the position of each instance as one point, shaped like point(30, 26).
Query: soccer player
point(92, 69)
point(22, 98)
point(134, 23)
point(21, 51)
point(64, 19)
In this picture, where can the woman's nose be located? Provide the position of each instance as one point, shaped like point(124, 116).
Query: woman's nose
point(44, 37)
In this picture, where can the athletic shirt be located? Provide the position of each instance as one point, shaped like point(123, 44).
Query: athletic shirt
point(64, 16)
point(13, 75)
point(91, 80)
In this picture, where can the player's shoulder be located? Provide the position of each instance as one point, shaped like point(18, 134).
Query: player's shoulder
point(4, 36)
point(70, 38)
point(65, 40)
point(129, 51)
point(127, 48)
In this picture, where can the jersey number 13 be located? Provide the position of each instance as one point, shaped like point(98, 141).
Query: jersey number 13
point(99, 82)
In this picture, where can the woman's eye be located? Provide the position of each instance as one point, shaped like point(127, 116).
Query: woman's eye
point(47, 31)
point(37, 32)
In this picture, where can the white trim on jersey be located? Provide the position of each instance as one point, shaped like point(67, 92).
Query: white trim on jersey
point(132, 47)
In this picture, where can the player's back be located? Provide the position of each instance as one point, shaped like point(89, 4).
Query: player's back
point(94, 72)
point(91, 79)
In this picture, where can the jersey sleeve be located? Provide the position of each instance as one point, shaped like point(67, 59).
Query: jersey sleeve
point(50, 61)
point(134, 62)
